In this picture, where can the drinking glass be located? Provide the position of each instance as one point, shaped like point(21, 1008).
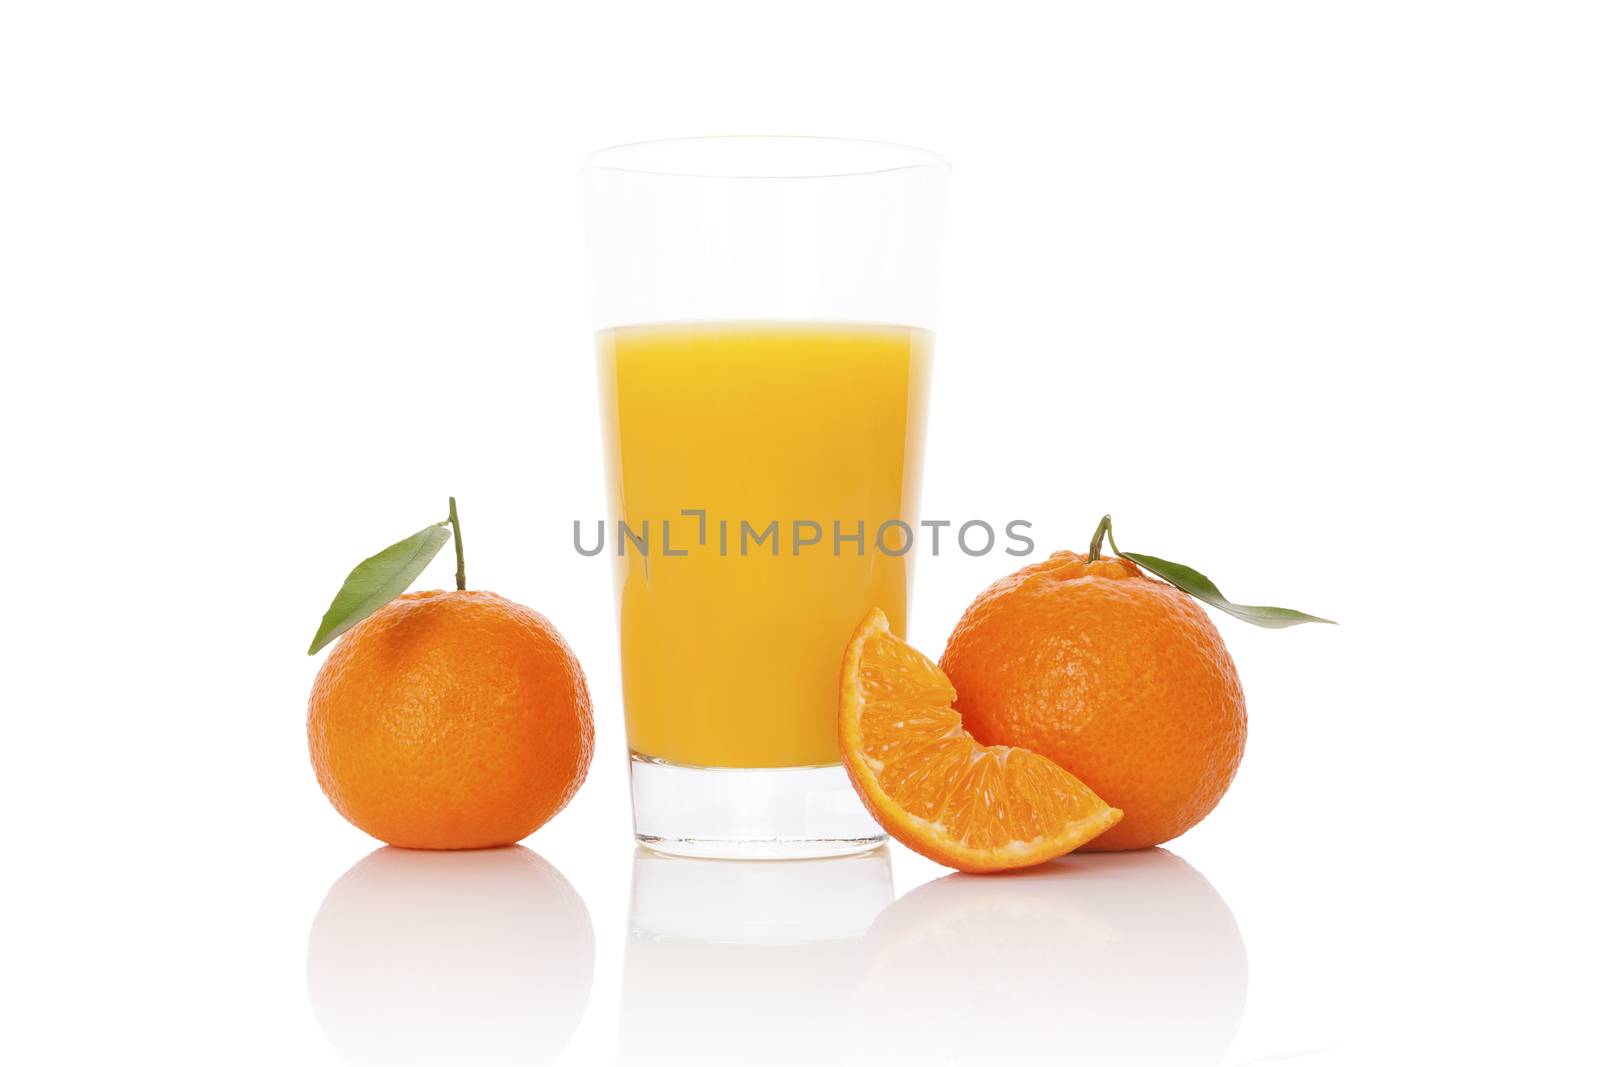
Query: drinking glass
point(763, 308)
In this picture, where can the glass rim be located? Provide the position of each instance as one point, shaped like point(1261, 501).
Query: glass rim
point(878, 157)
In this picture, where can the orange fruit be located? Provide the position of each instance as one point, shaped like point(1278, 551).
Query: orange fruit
point(450, 720)
point(1112, 673)
point(933, 787)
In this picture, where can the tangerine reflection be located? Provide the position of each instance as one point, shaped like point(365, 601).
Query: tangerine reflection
point(450, 957)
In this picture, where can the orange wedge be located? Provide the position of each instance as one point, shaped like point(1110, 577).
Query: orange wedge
point(973, 807)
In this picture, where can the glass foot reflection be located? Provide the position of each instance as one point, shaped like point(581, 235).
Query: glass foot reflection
point(745, 959)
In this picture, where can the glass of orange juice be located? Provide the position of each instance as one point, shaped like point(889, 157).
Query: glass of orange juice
point(764, 308)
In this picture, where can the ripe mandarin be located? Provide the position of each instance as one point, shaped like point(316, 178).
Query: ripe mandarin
point(1118, 677)
point(449, 720)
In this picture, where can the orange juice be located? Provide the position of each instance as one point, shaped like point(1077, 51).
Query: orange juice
point(807, 433)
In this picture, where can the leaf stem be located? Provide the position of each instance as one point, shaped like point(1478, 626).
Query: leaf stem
point(1101, 532)
point(461, 558)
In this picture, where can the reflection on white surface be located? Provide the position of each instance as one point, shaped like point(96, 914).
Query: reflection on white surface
point(746, 960)
point(1095, 958)
point(1111, 958)
point(450, 957)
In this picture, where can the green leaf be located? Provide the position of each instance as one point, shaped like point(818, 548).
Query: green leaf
point(1202, 588)
point(378, 580)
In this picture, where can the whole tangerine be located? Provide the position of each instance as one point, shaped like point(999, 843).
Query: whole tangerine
point(1118, 677)
point(450, 720)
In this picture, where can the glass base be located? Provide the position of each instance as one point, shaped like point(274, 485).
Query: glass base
point(763, 813)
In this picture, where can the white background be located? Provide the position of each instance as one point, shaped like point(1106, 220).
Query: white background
point(1304, 294)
